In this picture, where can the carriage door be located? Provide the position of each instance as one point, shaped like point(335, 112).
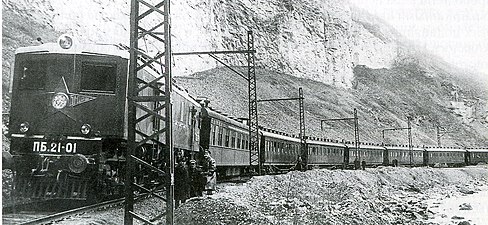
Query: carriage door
point(262, 148)
point(467, 158)
point(385, 157)
point(426, 157)
point(346, 157)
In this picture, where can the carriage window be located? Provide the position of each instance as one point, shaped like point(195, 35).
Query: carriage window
point(233, 139)
point(182, 111)
point(238, 140)
point(227, 133)
point(213, 133)
point(219, 143)
point(33, 75)
point(98, 77)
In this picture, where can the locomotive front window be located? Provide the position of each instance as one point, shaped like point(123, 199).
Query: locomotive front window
point(98, 77)
point(33, 75)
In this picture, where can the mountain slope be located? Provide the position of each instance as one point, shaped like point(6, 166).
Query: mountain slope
point(343, 57)
point(383, 97)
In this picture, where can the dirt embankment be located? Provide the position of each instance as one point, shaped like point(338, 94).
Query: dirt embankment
point(376, 196)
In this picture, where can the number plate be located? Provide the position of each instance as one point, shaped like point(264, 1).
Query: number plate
point(54, 147)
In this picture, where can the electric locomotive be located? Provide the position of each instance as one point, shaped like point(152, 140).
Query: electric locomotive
point(68, 123)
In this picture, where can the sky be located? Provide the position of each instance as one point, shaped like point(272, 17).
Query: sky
point(456, 30)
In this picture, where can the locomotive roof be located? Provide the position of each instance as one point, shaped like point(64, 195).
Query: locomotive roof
point(77, 48)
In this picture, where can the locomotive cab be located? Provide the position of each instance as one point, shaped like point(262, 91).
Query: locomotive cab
point(68, 105)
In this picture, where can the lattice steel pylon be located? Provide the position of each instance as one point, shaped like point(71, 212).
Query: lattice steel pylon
point(147, 101)
point(303, 138)
point(254, 155)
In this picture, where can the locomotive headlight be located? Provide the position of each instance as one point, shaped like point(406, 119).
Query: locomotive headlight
point(85, 129)
point(60, 100)
point(65, 41)
point(77, 163)
point(24, 127)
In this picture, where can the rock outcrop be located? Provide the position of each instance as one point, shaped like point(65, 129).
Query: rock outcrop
point(317, 39)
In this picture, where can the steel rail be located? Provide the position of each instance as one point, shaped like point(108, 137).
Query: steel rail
point(73, 211)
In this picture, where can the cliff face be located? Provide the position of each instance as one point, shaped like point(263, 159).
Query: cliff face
point(321, 40)
point(353, 60)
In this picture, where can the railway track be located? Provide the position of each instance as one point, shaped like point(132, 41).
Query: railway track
point(26, 216)
point(40, 212)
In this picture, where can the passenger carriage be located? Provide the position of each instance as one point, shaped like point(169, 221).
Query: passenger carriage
point(228, 143)
point(370, 153)
point(477, 155)
point(445, 155)
point(325, 152)
point(279, 150)
point(400, 155)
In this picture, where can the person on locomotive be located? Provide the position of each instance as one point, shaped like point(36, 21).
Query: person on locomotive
point(209, 167)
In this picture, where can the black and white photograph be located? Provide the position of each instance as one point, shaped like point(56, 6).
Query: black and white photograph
point(216, 112)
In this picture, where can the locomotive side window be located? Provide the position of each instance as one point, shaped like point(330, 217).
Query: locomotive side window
point(33, 75)
point(98, 77)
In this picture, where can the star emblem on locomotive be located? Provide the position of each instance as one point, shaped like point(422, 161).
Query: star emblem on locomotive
point(63, 97)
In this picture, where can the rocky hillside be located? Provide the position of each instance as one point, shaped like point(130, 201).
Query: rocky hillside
point(342, 56)
point(383, 97)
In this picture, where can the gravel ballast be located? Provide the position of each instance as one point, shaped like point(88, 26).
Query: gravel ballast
point(384, 195)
